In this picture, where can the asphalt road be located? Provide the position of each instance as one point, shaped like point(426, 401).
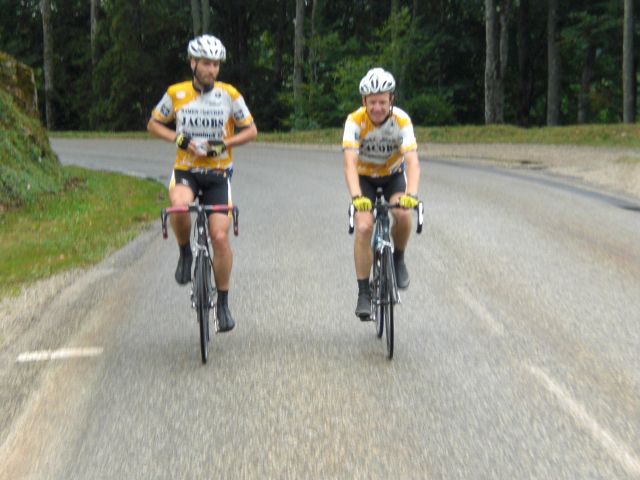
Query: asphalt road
point(517, 343)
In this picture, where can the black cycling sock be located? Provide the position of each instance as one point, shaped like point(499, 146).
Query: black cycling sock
point(222, 297)
point(398, 255)
point(363, 285)
point(185, 250)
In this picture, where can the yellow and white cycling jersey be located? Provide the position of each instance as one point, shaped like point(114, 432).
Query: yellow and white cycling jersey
point(212, 115)
point(380, 149)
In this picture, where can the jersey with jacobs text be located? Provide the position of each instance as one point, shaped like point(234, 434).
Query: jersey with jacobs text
point(203, 116)
point(380, 148)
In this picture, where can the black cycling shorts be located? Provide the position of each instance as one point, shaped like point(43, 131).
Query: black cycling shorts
point(213, 186)
point(394, 183)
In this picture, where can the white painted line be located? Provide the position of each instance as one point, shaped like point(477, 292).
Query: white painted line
point(480, 310)
point(45, 355)
point(614, 447)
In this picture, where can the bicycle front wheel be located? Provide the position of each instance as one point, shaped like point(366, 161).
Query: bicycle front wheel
point(376, 294)
point(388, 299)
point(203, 282)
point(388, 325)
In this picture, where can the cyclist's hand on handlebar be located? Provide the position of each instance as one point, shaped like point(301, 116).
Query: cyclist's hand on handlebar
point(215, 148)
point(361, 203)
point(408, 201)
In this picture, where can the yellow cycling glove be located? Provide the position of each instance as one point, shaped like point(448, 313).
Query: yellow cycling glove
point(361, 203)
point(182, 141)
point(215, 148)
point(408, 201)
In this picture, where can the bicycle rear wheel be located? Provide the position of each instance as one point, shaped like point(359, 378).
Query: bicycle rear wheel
point(203, 282)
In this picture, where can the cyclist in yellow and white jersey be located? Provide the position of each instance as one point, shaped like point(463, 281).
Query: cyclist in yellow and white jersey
point(380, 150)
point(210, 118)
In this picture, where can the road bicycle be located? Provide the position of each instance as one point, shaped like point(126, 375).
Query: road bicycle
point(203, 291)
point(384, 289)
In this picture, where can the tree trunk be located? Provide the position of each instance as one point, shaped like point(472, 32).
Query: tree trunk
point(298, 53)
point(47, 33)
point(553, 61)
point(206, 27)
point(505, 13)
point(491, 62)
point(312, 51)
point(524, 64)
point(628, 67)
point(197, 19)
point(585, 84)
point(394, 36)
point(282, 39)
point(94, 53)
point(94, 32)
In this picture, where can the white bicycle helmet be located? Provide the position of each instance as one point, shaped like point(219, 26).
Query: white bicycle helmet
point(207, 46)
point(377, 80)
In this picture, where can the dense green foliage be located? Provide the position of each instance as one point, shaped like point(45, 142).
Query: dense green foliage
point(435, 48)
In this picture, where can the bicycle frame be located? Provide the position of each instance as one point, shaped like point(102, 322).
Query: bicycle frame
point(383, 247)
point(384, 289)
point(203, 291)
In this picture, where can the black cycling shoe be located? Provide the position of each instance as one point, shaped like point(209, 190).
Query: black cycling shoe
point(363, 309)
point(183, 270)
point(225, 320)
point(402, 275)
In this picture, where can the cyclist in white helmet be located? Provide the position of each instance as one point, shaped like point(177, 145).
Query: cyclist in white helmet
point(210, 118)
point(380, 150)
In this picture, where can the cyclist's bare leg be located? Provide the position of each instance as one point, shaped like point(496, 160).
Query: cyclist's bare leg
point(363, 259)
point(181, 195)
point(222, 255)
point(400, 232)
point(362, 246)
point(401, 228)
point(222, 263)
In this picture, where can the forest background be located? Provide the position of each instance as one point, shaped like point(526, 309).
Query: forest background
point(104, 64)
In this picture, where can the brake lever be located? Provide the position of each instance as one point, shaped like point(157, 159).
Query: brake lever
point(163, 219)
point(352, 211)
point(235, 213)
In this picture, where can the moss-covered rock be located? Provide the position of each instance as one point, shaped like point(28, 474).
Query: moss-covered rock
point(28, 166)
point(17, 79)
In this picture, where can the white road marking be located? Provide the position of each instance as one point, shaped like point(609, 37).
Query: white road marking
point(481, 311)
point(45, 355)
point(614, 447)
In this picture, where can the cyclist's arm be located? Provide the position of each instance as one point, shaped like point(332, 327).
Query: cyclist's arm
point(351, 172)
point(160, 130)
point(244, 135)
point(413, 171)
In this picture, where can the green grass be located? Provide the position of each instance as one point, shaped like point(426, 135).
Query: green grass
point(618, 135)
point(86, 134)
point(629, 160)
point(598, 135)
point(95, 214)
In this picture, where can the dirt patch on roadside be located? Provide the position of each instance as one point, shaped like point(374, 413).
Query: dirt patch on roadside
point(614, 169)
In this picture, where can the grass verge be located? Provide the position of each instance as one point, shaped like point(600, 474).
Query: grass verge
point(595, 135)
point(618, 135)
point(95, 214)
